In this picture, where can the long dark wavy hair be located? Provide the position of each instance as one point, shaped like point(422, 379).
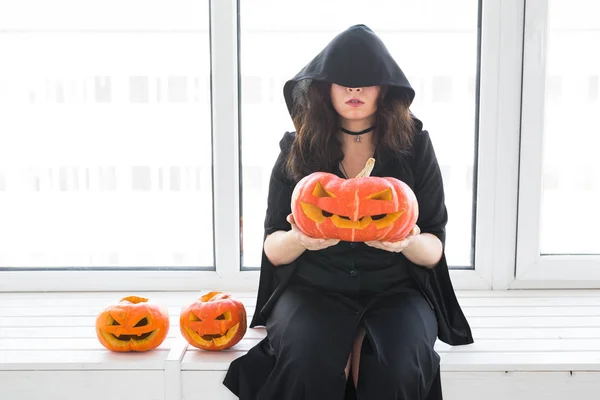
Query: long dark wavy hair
point(317, 147)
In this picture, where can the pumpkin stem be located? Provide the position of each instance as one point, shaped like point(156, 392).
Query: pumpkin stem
point(366, 171)
point(214, 296)
point(135, 299)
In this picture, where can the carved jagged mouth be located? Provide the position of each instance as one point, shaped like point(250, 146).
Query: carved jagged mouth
point(211, 337)
point(216, 339)
point(342, 221)
point(126, 338)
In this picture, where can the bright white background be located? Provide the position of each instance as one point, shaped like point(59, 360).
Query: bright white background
point(136, 137)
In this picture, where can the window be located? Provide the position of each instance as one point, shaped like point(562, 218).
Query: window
point(438, 54)
point(132, 140)
point(105, 156)
point(560, 171)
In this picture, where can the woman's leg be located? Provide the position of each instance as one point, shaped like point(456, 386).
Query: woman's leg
point(355, 355)
point(397, 358)
point(348, 365)
point(311, 337)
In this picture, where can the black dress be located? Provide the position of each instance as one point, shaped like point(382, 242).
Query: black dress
point(312, 307)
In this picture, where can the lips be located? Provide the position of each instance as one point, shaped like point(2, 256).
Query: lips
point(355, 102)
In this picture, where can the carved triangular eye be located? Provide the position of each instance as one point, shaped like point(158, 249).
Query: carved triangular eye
point(225, 316)
point(194, 318)
point(142, 322)
point(320, 191)
point(385, 194)
point(115, 323)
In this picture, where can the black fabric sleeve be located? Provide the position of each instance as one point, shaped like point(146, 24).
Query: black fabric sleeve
point(429, 188)
point(280, 191)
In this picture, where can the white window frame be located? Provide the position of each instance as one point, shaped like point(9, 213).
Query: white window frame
point(500, 110)
point(534, 270)
point(497, 177)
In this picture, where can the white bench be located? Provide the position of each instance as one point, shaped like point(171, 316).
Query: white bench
point(529, 345)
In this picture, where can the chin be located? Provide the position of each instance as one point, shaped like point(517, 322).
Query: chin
point(355, 116)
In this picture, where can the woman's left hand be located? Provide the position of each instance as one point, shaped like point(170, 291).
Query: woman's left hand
point(396, 247)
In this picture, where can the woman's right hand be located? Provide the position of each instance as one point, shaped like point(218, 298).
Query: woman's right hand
point(309, 243)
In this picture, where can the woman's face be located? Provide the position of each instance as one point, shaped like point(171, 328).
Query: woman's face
point(355, 103)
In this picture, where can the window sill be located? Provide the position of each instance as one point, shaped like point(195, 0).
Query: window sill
point(526, 341)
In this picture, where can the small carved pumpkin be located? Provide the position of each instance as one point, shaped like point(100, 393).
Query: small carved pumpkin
point(132, 325)
point(215, 321)
point(359, 209)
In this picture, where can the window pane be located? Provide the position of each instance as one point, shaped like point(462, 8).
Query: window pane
point(571, 167)
point(105, 156)
point(435, 44)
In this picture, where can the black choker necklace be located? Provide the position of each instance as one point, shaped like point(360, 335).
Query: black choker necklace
point(357, 134)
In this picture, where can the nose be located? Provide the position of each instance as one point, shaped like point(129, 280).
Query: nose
point(354, 90)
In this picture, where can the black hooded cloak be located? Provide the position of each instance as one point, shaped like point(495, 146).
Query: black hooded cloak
point(355, 58)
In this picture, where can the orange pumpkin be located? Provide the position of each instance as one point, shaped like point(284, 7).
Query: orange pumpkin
point(359, 209)
point(215, 321)
point(132, 325)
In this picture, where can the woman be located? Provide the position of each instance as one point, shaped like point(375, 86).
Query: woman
point(352, 320)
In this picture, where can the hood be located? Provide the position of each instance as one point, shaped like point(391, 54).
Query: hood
point(356, 57)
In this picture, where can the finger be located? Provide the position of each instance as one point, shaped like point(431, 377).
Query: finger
point(401, 244)
point(300, 238)
point(325, 245)
point(320, 244)
point(394, 246)
point(329, 243)
point(305, 237)
point(290, 219)
point(313, 242)
point(416, 230)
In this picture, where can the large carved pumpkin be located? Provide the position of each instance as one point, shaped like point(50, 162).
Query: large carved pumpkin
point(132, 325)
point(359, 209)
point(215, 321)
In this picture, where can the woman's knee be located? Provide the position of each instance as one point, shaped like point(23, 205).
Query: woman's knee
point(314, 366)
point(406, 373)
point(416, 356)
point(413, 370)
